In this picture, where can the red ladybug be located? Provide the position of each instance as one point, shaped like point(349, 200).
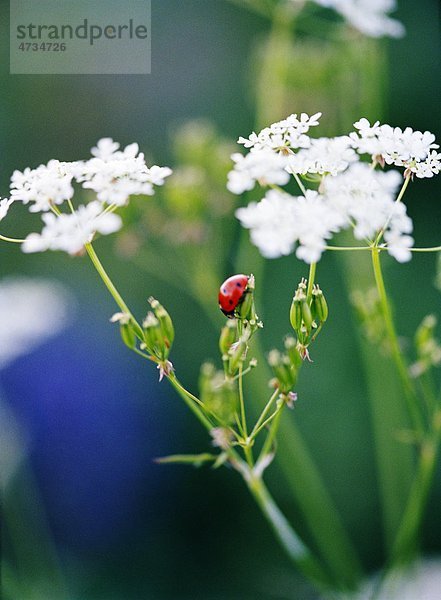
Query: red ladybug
point(231, 293)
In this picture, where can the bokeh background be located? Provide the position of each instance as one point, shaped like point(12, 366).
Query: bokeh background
point(93, 513)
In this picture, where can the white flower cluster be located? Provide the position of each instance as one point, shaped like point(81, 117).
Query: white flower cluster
point(414, 150)
point(351, 193)
point(280, 220)
point(370, 17)
point(271, 150)
point(112, 174)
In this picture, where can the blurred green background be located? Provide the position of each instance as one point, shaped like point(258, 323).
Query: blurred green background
point(123, 527)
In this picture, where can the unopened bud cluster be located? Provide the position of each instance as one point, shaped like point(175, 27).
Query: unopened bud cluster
point(368, 310)
point(307, 315)
point(154, 337)
point(285, 367)
point(428, 348)
point(158, 331)
point(217, 394)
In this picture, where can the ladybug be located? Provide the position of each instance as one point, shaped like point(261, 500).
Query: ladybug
point(231, 293)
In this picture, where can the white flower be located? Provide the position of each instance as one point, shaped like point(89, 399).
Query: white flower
point(367, 198)
point(403, 148)
point(4, 207)
point(325, 155)
point(272, 222)
point(116, 175)
point(46, 185)
point(429, 167)
point(316, 221)
point(264, 166)
point(105, 148)
point(31, 311)
point(283, 136)
point(368, 16)
point(69, 232)
point(279, 220)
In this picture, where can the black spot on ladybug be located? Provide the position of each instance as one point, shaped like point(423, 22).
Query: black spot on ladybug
point(230, 301)
point(224, 291)
point(239, 285)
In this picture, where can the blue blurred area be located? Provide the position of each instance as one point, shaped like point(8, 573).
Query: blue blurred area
point(93, 427)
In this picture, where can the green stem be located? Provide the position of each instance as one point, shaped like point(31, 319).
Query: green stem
point(407, 537)
point(311, 277)
point(13, 240)
point(266, 448)
point(109, 285)
point(409, 390)
point(288, 538)
point(242, 403)
point(191, 401)
point(299, 183)
point(399, 198)
point(263, 414)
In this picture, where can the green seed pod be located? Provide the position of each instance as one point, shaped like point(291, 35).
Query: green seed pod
point(128, 336)
point(165, 321)
point(244, 310)
point(227, 336)
point(125, 328)
point(319, 305)
point(153, 337)
point(237, 356)
point(295, 313)
point(285, 374)
point(306, 315)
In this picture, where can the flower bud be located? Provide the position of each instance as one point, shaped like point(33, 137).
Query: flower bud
point(227, 336)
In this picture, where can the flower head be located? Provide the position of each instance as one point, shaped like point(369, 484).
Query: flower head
point(113, 174)
point(44, 186)
point(69, 232)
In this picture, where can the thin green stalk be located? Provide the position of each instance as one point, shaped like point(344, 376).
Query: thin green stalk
point(109, 284)
point(13, 240)
point(263, 414)
point(288, 538)
point(242, 403)
point(191, 401)
point(408, 386)
point(311, 278)
point(300, 184)
point(269, 441)
point(407, 537)
point(398, 199)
